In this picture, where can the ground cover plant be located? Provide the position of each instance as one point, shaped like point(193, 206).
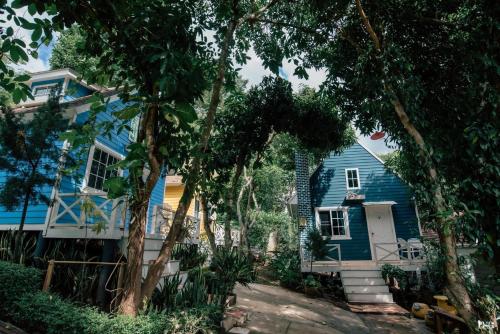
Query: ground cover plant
point(25, 305)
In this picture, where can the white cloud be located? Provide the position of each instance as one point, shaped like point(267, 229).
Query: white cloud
point(254, 71)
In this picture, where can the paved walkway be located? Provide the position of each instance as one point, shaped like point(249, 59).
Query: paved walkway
point(274, 310)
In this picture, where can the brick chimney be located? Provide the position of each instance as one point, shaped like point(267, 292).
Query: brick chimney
point(304, 208)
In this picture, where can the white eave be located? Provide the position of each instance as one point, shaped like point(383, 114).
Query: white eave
point(60, 73)
point(379, 203)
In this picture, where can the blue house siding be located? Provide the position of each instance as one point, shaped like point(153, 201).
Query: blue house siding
point(37, 212)
point(115, 141)
point(156, 199)
point(328, 189)
point(75, 90)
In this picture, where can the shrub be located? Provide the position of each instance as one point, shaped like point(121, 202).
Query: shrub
point(164, 298)
point(389, 271)
point(189, 255)
point(15, 281)
point(286, 268)
point(50, 314)
point(312, 282)
point(231, 267)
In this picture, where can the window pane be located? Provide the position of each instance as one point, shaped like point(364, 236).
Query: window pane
point(338, 223)
point(326, 228)
point(91, 181)
point(98, 173)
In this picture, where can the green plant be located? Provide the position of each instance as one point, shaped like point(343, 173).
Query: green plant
point(231, 267)
point(286, 268)
point(16, 281)
point(311, 282)
point(19, 253)
point(50, 314)
point(392, 272)
point(434, 261)
point(315, 245)
point(164, 298)
point(189, 255)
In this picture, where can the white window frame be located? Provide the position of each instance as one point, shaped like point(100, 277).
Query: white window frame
point(347, 179)
point(345, 210)
point(89, 165)
point(48, 86)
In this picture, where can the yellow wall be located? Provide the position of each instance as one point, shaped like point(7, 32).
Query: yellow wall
point(173, 194)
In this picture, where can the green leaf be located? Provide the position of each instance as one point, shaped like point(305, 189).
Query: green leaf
point(17, 95)
point(22, 77)
point(128, 113)
point(37, 33)
point(116, 186)
point(32, 9)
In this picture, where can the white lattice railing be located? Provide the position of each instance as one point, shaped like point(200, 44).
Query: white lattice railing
point(87, 209)
point(408, 251)
point(162, 220)
point(333, 249)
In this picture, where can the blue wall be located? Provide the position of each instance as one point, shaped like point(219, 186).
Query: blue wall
point(328, 188)
point(117, 142)
point(75, 90)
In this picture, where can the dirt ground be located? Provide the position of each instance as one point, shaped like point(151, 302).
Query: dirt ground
point(275, 310)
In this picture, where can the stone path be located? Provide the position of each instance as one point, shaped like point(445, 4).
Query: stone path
point(274, 310)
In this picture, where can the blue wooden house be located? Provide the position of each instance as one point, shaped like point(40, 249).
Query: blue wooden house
point(367, 214)
point(78, 205)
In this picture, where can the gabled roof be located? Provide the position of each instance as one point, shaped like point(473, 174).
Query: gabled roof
point(58, 74)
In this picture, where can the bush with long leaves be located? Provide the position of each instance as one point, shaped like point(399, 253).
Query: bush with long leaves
point(231, 267)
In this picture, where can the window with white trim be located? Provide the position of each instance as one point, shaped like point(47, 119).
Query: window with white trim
point(333, 222)
point(352, 178)
point(43, 90)
point(99, 171)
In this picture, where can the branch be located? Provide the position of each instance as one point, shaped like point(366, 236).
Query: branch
point(368, 26)
point(252, 17)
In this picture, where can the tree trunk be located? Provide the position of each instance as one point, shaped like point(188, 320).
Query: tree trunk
point(131, 299)
point(207, 223)
point(229, 207)
point(25, 211)
point(456, 285)
point(155, 270)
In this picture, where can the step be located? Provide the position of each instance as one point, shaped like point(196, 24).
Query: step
point(370, 297)
point(361, 273)
point(366, 289)
point(362, 281)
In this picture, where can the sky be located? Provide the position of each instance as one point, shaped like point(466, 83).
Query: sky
point(253, 71)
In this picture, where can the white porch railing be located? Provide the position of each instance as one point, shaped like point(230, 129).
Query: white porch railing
point(162, 220)
point(396, 252)
point(88, 210)
point(332, 248)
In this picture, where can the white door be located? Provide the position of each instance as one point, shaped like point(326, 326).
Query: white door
point(382, 235)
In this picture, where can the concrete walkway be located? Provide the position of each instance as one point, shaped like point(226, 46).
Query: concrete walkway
point(274, 310)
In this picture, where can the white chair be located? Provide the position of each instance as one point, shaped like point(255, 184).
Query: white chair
point(403, 249)
point(416, 248)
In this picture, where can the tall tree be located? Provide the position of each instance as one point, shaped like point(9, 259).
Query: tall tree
point(30, 154)
point(13, 50)
point(69, 52)
point(427, 73)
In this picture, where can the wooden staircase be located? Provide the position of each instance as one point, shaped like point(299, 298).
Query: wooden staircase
point(365, 286)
